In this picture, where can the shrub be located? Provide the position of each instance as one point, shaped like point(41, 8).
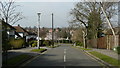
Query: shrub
point(34, 43)
point(118, 49)
point(30, 42)
point(46, 43)
point(6, 46)
point(26, 44)
point(79, 43)
point(16, 43)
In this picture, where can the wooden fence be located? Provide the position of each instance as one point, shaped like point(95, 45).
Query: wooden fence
point(106, 42)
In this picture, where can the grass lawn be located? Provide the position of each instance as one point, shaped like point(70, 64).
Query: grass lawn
point(38, 50)
point(17, 59)
point(85, 49)
point(106, 58)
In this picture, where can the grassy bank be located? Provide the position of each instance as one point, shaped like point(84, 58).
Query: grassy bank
point(38, 50)
point(85, 49)
point(106, 58)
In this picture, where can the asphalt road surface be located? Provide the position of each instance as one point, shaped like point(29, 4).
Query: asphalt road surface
point(63, 56)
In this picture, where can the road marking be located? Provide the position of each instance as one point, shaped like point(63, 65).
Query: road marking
point(64, 51)
point(64, 55)
point(64, 58)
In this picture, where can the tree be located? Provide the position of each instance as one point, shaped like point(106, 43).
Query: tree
point(94, 25)
point(84, 13)
point(8, 12)
point(43, 33)
point(77, 35)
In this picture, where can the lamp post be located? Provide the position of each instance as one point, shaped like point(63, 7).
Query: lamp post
point(52, 31)
point(38, 30)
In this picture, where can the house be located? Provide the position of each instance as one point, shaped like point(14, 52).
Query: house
point(10, 30)
point(31, 36)
point(49, 35)
point(21, 31)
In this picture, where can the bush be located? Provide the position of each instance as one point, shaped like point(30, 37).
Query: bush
point(118, 49)
point(16, 43)
point(46, 43)
point(30, 42)
point(6, 46)
point(79, 43)
point(34, 43)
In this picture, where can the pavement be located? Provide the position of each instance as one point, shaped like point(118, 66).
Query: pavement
point(16, 52)
point(64, 55)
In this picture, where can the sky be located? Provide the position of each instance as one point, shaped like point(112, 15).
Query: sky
point(60, 12)
point(60, 9)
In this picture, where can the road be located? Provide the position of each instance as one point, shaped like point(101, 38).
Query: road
point(65, 55)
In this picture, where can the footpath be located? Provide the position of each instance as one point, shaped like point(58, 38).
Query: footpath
point(15, 52)
point(24, 54)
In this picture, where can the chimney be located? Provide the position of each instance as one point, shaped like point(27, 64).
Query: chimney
point(18, 24)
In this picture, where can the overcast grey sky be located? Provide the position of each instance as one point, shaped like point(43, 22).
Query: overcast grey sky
point(59, 9)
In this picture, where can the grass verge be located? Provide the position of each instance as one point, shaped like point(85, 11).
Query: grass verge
point(17, 59)
point(106, 58)
point(38, 50)
point(85, 49)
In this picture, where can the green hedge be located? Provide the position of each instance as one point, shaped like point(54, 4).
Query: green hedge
point(6, 46)
point(34, 44)
point(79, 43)
point(16, 43)
point(47, 42)
point(118, 49)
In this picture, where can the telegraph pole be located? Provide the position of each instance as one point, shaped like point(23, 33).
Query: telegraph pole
point(38, 30)
point(52, 31)
point(108, 21)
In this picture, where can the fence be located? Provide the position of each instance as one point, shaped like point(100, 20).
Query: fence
point(106, 42)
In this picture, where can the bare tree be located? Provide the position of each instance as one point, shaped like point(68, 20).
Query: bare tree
point(83, 12)
point(8, 12)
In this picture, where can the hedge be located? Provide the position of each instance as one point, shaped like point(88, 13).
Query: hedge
point(16, 43)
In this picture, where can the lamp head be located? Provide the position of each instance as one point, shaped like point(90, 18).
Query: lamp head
point(38, 13)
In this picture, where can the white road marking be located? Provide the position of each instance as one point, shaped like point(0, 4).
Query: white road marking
point(64, 55)
point(64, 51)
point(64, 58)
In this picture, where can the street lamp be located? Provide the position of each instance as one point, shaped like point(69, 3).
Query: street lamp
point(38, 30)
point(52, 31)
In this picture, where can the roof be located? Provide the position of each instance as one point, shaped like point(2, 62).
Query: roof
point(19, 29)
point(6, 25)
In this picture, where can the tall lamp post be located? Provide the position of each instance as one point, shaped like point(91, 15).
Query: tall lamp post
point(52, 31)
point(38, 30)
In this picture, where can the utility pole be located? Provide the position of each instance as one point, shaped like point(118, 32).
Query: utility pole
point(108, 21)
point(52, 31)
point(38, 30)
